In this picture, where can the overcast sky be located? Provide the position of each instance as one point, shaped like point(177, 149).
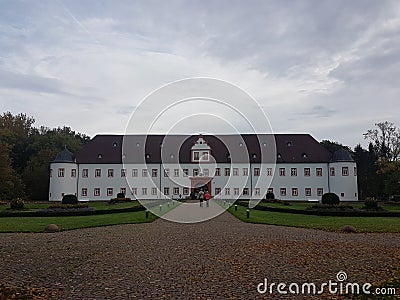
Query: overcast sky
point(329, 68)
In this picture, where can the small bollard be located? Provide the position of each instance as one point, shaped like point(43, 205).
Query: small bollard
point(224, 202)
point(248, 213)
point(208, 204)
point(235, 207)
point(147, 213)
point(229, 204)
point(160, 207)
point(168, 204)
point(173, 202)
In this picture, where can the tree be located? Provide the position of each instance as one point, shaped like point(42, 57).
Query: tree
point(15, 131)
point(334, 146)
point(11, 185)
point(386, 140)
point(36, 174)
point(370, 183)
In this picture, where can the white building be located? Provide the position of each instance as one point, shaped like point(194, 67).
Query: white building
point(292, 166)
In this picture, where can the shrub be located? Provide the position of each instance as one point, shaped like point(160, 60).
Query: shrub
point(330, 199)
point(69, 199)
point(270, 196)
point(17, 204)
point(120, 195)
point(371, 204)
point(286, 203)
point(348, 229)
point(68, 206)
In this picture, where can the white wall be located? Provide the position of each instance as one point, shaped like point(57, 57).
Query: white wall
point(60, 186)
point(338, 184)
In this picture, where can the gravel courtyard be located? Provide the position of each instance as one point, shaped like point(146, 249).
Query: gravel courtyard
point(223, 258)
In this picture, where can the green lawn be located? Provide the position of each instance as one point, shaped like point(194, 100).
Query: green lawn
point(362, 224)
point(37, 224)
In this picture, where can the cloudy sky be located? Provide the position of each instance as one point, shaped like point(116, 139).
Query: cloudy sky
point(330, 68)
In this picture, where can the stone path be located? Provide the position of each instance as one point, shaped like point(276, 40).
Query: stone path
point(219, 259)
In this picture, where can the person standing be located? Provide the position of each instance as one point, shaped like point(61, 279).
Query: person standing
point(201, 197)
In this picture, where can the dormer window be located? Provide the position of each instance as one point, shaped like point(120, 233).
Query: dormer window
point(254, 156)
point(99, 156)
point(200, 151)
point(304, 155)
point(115, 144)
point(289, 144)
point(279, 155)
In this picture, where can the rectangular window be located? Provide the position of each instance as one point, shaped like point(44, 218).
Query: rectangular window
point(84, 192)
point(332, 171)
point(195, 172)
point(295, 192)
point(144, 191)
point(281, 171)
point(227, 191)
point(245, 172)
point(355, 171)
point(269, 171)
point(51, 172)
point(176, 172)
point(166, 190)
point(134, 191)
point(283, 191)
point(123, 172)
point(217, 191)
point(236, 191)
point(85, 173)
point(245, 191)
point(235, 172)
point(308, 192)
point(319, 172)
point(186, 191)
point(61, 172)
point(73, 172)
point(166, 172)
point(227, 172)
point(206, 172)
point(320, 191)
point(270, 190)
point(110, 173)
point(96, 192)
point(154, 172)
point(217, 171)
point(196, 156)
point(204, 156)
point(110, 192)
point(345, 171)
point(154, 191)
point(134, 172)
point(144, 172)
point(293, 172)
point(257, 191)
point(185, 172)
point(256, 171)
point(176, 191)
point(307, 172)
point(97, 173)
point(342, 195)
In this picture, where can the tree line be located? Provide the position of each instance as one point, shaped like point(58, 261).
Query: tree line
point(26, 153)
point(378, 167)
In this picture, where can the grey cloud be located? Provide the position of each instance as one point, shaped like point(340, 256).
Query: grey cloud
point(29, 82)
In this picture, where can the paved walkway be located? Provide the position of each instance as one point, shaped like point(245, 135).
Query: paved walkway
point(219, 259)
